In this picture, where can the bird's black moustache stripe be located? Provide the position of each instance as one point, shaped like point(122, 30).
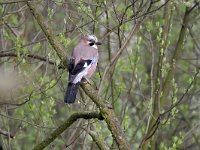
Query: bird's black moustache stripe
point(91, 44)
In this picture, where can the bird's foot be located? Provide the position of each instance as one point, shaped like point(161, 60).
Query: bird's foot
point(85, 81)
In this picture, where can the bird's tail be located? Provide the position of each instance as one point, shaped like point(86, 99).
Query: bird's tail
point(71, 92)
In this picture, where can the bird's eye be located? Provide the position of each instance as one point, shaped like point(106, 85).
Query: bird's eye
point(91, 40)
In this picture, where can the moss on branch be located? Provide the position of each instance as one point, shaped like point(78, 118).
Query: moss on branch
point(57, 46)
point(65, 125)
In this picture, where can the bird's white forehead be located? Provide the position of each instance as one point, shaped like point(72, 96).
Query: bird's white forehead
point(92, 37)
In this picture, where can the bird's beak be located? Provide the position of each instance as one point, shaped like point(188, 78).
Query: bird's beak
point(98, 43)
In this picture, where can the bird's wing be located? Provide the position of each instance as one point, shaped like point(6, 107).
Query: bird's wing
point(80, 70)
point(83, 57)
point(81, 66)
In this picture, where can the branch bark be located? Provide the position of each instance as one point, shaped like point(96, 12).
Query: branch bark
point(53, 40)
point(101, 145)
point(5, 133)
point(109, 116)
point(107, 112)
point(13, 2)
point(65, 125)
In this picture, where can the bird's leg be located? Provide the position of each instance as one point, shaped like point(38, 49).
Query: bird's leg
point(85, 80)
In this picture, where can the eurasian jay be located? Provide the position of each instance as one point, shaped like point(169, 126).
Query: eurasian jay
point(82, 65)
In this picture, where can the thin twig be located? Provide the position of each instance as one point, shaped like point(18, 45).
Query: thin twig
point(37, 57)
point(5, 133)
point(13, 2)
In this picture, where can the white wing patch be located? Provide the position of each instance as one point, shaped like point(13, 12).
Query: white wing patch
point(85, 65)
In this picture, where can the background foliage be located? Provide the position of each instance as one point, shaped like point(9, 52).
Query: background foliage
point(143, 33)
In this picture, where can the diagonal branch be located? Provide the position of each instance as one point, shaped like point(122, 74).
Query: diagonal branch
point(13, 2)
point(176, 54)
point(110, 118)
point(38, 57)
point(107, 112)
point(48, 33)
point(117, 55)
point(65, 125)
point(100, 143)
point(5, 133)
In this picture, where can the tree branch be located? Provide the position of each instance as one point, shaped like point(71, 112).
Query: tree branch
point(107, 113)
point(13, 2)
point(5, 133)
point(117, 55)
point(156, 114)
point(65, 125)
point(53, 40)
point(100, 143)
point(11, 54)
point(176, 54)
point(109, 116)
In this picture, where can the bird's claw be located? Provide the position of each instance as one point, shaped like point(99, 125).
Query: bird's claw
point(85, 81)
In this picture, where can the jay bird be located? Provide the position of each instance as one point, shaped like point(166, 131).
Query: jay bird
point(82, 65)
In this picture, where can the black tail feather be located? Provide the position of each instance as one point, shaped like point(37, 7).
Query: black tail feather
point(71, 92)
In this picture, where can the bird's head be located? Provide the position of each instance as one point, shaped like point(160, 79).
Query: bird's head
point(92, 41)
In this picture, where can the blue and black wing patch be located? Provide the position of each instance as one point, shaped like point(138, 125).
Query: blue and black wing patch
point(80, 66)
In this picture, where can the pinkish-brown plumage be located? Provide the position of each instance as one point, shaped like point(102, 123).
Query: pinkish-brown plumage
point(83, 64)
